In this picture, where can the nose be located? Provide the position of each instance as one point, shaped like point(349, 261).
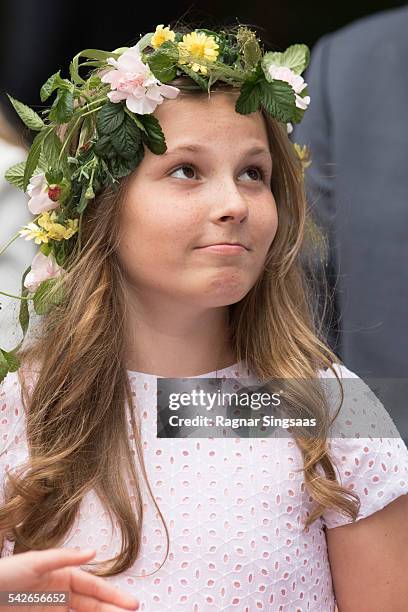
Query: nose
point(230, 204)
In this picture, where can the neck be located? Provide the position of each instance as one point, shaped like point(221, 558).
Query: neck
point(177, 342)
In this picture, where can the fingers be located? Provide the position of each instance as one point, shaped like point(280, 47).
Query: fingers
point(83, 603)
point(99, 591)
point(56, 558)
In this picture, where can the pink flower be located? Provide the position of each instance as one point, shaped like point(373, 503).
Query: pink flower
point(133, 81)
point(38, 191)
point(283, 73)
point(42, 268)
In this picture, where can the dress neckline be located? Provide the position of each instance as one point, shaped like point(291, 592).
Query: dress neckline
point(236, 368)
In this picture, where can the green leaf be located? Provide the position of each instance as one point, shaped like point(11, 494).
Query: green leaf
point(93, 82)
point(163, 62)
point(249, 99)
point(197, 78)
point(154, 137)
point(83, 201)
point(10, 359)
point(296, 57)
point(8, 363)
point(60, 252)
point(63, 107)
point(110, 118)
point(54, 176)
point(122, 167)
point(27, 115)
point(249, 46)
point(24, 315)
point(136, 119)
point(15, 175)
point(4, 368)
point(50, 293)
point(104, 147)
point(96, 54)
point(45, 248)
point(278, 99)
point(145, 41)
point(51, 150)
point(126, 139)
point(49, 86)
point(33, 157)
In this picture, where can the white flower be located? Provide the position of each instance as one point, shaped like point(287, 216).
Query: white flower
point(38, 191)
point(133, 81)
point(289, 128)
point(42, 268)
point(283, 73)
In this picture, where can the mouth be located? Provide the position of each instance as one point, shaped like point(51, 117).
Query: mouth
point(226, 245)
point(225, 248)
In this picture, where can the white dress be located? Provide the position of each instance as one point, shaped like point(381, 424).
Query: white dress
point(234, 508)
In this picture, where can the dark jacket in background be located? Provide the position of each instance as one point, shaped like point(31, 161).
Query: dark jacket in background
point(357, 128)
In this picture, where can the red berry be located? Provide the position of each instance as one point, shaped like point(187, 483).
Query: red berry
point(54, 192)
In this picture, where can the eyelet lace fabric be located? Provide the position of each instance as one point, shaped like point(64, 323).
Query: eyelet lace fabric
point(235, 510)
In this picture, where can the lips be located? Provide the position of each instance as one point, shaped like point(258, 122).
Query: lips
point(225, 243)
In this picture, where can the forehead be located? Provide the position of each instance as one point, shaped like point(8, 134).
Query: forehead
point(209, 120)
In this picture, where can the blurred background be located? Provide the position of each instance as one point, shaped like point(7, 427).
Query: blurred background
point(356, 128)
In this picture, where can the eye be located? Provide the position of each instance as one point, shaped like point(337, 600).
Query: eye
point(181, 168)
point(256, 172)
point(259, 173)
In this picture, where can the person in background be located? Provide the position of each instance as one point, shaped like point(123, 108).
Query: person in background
point(357, 132)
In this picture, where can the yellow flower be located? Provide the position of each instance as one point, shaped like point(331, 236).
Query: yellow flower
point(48, 228)
point(197, 46)
point(161, 35)
point(303, 154)
point(57, 231)
point(33, 232)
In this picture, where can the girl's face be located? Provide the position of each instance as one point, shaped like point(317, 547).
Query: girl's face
point(212, 185)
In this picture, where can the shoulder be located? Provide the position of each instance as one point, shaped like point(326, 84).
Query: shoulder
point(370, 457)
point(364, 34)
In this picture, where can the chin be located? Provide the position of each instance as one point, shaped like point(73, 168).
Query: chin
point(228, 289)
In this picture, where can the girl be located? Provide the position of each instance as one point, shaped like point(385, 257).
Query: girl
point(192, 269)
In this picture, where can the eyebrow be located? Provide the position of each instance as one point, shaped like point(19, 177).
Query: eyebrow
point(192, 148)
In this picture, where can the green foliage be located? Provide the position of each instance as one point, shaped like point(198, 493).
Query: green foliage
point(63, 106)
point(249, 99)
point(278, 99)
point(296, 57)
point(33, 157)
point(194, 76)
point(249, 47)
point(163, 62)
point(27, 115)
point(54, 176)
point(15, 175)
point(119, 143)
point(50, 293)
point(24, 316)
point(8, 363)
point(49, 86)
point(153, 135)
point(110, 118)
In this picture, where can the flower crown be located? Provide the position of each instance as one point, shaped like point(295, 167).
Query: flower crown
point(106, 120)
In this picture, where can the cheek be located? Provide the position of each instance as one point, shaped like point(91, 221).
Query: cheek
point(267, 224)
point(159, 231)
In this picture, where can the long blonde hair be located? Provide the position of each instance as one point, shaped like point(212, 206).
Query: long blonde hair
point(76, 412)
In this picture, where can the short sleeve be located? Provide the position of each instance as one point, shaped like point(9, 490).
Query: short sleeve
point(12, 418)
point(374, 467)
